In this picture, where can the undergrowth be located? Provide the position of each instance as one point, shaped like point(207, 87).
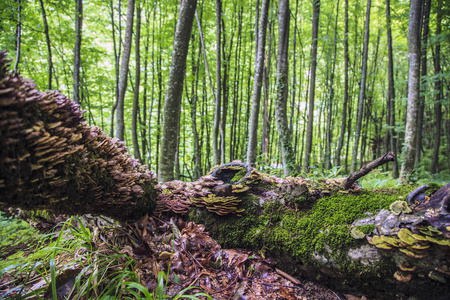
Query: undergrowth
point(68, 265)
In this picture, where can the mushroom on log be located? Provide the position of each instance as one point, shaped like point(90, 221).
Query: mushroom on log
point(51, 159)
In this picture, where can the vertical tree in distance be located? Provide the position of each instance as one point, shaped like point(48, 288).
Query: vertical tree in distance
point(344, 108)
point(284, 134)
point(409, 150)
point(216, 148)
point(331, 95)
point(18, 35)
point(137, 81)
point(362, 90)
point(426, 9)
point(49, 47)
point(312, 87)
point(438, 91)
point(120, 126)
point(256, 97)
point(77, 51)
point(172, 102)
point(391, 91)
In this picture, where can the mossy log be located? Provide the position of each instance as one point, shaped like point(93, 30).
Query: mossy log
point(354, 240)
point(370, 242)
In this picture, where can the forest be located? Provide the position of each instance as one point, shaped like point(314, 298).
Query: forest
point(292, 87)
point(224, 149)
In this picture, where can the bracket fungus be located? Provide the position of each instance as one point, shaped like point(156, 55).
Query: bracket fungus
point(47, 147)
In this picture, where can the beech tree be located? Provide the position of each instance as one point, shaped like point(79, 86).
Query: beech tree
point(123, 79)
point(312, 87)
point(49, 47)
point(409, 149)
point(283, 87)
point(257, 84)
point(172, 101)
point(362, 88)
point(77, 51)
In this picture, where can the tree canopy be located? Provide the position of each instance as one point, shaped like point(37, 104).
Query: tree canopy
point(42, 38)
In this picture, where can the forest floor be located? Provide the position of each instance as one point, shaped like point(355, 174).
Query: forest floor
point(191, 258)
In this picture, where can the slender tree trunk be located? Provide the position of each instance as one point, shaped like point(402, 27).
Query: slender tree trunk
point(344, 107)
point(134, 115)
point(116, 64)
point(49, 47)
point(254, 117)
point(423, 85)
point(362, 92)
point(284, 135)
point(77, 51)
point(216, 148)
point(331, 96)
point(391, 92)
point(225, 92)
point(438, 86)
point(120, 126)
point(266, 107)
point(172, 102)
point(312, 87)
point(18, 35)
point(409, 150)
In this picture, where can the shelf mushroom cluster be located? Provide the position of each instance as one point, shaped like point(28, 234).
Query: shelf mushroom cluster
point(49, 155)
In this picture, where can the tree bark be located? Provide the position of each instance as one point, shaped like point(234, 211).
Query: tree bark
point(216, 148)
point(77, 51)
point(172, 102)
point(18, 36)
point(256, 97)
point(123, 81)
point(331, 96)
point(312, 87)
point(362, 90)
point(409, 150)
point(391, 92)
point(49, 47)
point(137, 82)
point(423, 85)
point(438, 92)
point(284, 135)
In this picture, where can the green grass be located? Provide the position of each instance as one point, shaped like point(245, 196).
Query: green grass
point(69, 264)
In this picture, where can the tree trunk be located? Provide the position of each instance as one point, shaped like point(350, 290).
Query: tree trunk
point(77, 51)
point(256, 97)
point(172, 102)
point(331, 96)
point(120, 126)
point(362, 90)
point(438, 86)
point(391, 91)
point(284, 135)
point(116, 64)
point(18, 36)
point(409, 150)
point(137, 82)
point(344, 106)
point(217, 106)
point(49, 47)
point(312, 87)
point(423, 86)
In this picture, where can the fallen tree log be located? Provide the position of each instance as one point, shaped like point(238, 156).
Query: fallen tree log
point(51, 159)
point(354, 240)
